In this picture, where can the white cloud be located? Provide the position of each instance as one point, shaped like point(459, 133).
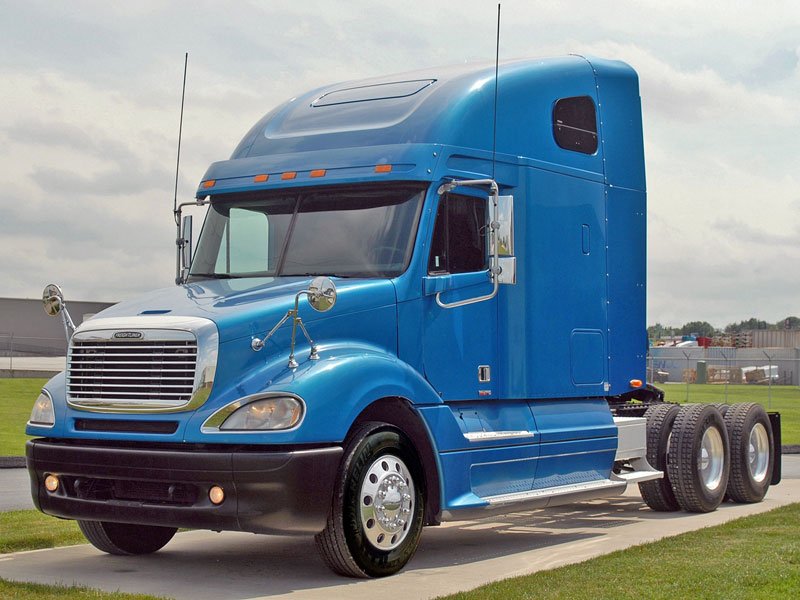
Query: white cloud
point(92, 90)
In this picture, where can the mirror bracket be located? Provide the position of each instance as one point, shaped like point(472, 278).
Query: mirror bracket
point(321, 294)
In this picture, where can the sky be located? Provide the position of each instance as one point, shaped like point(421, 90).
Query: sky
point(90, 99)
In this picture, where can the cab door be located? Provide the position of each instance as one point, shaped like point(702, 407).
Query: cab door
point(460, 344)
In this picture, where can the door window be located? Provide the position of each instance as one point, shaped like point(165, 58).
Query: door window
point(459, 236)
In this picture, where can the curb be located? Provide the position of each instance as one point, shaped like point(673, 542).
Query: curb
point(12, 462)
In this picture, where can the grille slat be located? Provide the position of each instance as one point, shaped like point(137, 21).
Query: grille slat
point(146, 373)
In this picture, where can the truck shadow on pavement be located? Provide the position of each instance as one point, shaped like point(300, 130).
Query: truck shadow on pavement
point(201, 564)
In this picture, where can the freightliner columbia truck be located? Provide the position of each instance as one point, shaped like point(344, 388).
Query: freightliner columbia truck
point(413, 299)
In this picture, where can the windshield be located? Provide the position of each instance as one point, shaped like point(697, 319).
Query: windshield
point(356, 231)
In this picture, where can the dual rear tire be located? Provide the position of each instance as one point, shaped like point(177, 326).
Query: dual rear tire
point(708, 453)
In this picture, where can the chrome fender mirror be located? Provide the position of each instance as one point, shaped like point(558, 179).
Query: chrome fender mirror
point(53, 299)
point(322, 294)
point(54, 305)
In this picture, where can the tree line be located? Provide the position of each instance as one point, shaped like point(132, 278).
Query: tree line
point(706, 329)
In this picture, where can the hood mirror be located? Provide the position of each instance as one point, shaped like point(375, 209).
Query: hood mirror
point(322, 294)
point(54, 305)
point(53, 299)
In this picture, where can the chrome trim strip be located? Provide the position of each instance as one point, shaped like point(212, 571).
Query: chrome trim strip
point(213, 423)
point(154, 328)
point(491, 436)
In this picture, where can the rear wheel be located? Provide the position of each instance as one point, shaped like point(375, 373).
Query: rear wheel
point(699, 458)
point(126, 538)
point(752, 447)
point(375, 522)
point(658, 493)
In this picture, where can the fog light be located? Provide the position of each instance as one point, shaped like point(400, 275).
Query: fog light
point(51, 483)
point(216, 494)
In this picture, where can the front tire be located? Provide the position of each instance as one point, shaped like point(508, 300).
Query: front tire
point(699, 458)
point(375, 522)
point(125, 538)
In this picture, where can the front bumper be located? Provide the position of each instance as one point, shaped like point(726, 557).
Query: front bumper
point(282, 492)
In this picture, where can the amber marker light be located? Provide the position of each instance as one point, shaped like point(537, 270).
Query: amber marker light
point(51, 483)
point(318, 173)
point(261, 178)
point(209, 183)
point(383, 168)
point(636, 383)
point(289, 175)
point(216, 494)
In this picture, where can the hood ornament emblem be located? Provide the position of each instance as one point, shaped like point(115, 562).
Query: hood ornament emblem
point(321, 295)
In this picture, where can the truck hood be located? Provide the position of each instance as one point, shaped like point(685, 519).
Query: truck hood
point(251, 306)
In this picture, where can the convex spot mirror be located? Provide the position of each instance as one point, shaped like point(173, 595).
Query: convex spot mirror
point(322, 294)
point(53, 299)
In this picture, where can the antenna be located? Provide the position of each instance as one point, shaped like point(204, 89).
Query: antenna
point(496, 69)
point(180, 133)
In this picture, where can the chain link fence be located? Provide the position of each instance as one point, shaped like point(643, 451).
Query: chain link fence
point(27, 355)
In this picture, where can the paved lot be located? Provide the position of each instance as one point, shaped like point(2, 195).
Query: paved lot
point(456, 556)
point(15, 490)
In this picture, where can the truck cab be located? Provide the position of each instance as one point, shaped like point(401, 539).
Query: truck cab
point(407, 304)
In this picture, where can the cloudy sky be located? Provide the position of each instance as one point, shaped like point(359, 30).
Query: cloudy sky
point(90, 97)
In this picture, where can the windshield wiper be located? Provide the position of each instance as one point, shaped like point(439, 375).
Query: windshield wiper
point(319, 275)
point(215, 275)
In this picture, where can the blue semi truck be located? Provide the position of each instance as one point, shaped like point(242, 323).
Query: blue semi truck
point(414, 299)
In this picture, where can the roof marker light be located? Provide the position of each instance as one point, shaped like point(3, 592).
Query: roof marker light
point(261, 178)
point(318, 173)
point(383, 168)
point(209, 183)
point(636, 383)
point(289, 175)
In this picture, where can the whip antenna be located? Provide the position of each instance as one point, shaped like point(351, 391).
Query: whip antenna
point(496, 69)
point(180, 132)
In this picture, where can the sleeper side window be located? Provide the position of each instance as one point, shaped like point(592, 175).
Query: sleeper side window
point(575, 124)
point(459, 236)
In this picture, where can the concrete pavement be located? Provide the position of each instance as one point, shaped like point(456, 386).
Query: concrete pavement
point(15, 490)
point(453, 557)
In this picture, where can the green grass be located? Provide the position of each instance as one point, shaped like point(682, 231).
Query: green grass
point(31, 530)
point(752, 557)
point(12, 590)
point(16, 401)
point(785, 400)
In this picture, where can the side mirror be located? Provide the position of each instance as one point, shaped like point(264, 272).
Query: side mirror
point(505, 233)
point(53, 299)
point(322, 294)
point(54, 305)
point(186, 246)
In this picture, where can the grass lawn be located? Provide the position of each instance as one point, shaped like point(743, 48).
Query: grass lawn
point(16, 401)
point(752, 557)
point(785, 400)
point(31, 530)
point(34, 591)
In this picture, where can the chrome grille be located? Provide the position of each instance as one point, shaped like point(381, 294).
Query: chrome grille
point(147, 373)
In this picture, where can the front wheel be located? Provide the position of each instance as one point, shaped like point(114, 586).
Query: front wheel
point(375, 522)
point(126, 538)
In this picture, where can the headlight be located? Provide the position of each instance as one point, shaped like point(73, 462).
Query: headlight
point(43, 413)
point(281, 412)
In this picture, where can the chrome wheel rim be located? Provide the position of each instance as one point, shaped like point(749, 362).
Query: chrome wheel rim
point(386, 502)
point(711, 461)
point(758, 453)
